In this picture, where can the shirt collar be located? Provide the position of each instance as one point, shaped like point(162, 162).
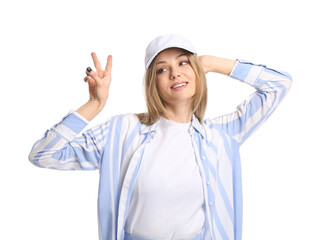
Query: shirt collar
point(198, 126)
point(147, 129)
point(195, 125)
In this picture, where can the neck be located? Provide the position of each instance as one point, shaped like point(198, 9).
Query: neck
point(179, 112)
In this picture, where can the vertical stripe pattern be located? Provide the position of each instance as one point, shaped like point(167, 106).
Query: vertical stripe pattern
point(116, 148)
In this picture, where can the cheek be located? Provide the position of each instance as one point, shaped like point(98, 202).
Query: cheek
point(195, 86)
point(190, 73)
point(160, 87)
point(161, 83)
point(192, 78)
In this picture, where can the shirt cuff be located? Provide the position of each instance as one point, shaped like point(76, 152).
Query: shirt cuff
point(247, 72)
point(71, 125)
point(81, 117)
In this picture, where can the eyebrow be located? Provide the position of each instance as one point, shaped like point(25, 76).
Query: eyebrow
point(182, 54)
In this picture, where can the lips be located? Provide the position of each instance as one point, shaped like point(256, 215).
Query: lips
point(178, 85)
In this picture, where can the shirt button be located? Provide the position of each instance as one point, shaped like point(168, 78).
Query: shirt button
point(210, 203)
point(208, 183)
point(203, 157)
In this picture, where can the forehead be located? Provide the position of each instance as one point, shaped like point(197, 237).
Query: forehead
point(170, 53)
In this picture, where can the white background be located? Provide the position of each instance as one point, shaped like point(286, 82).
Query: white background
point(45, 49)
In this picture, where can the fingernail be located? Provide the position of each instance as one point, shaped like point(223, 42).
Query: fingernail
point(89, 69)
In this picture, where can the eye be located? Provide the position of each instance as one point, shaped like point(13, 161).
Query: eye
point(161, 70)
point(184, 62)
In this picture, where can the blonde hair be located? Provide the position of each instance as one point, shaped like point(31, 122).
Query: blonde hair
point(154, 102)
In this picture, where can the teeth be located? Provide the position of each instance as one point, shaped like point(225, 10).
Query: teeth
point(179, 85)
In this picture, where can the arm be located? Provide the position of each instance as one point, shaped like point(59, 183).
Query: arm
point(217, 64)
point(60, 148)
point(271, 87)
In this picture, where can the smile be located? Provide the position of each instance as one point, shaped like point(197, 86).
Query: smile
point(179, 86)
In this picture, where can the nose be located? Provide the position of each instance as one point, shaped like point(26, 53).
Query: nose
point(174, 73)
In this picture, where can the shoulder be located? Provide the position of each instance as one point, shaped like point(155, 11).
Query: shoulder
point(121, 122)
point(124, 120)
point(212, 122)
point(130, 118)
point(125, 123)
point(213, 126)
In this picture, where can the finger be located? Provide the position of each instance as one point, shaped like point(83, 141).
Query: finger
point(96, 62)
point(87, 78)
point(109, 65)
point(92, 74)
point(91, 81)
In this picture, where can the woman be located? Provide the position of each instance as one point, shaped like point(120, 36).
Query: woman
point(167, 173)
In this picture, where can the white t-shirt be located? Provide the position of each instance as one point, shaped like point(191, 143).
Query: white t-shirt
point(167, 198)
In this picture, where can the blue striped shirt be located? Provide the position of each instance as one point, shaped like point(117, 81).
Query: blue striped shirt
point(116, 148)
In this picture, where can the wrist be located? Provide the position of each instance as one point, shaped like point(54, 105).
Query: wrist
point(90, 109)
point(97, 105)
point(217, 64)
point(222, 65)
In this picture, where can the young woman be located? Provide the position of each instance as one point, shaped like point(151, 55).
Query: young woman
point(167, 173)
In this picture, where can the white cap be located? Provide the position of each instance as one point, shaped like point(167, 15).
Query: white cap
point(166, 41)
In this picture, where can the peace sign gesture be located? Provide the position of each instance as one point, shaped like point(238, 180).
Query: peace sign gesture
point(99, 81)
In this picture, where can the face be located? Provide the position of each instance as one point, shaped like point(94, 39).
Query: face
point(175, 76)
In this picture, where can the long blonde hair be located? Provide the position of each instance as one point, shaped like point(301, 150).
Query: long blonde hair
point(155, 104)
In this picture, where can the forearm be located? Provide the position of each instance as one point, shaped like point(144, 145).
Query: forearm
point(217, 64)
point(54, 149)
point(271, 87)
point(90, 110)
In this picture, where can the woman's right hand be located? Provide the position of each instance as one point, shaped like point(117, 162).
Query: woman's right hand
point(98, 87)
point(99, 81)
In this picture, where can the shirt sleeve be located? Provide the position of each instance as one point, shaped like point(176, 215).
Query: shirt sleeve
point(61, 148)
point(271, 87)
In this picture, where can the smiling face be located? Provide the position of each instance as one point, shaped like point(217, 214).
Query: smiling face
point(175, 78)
